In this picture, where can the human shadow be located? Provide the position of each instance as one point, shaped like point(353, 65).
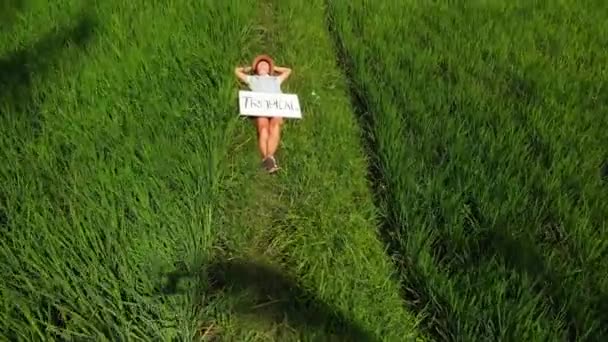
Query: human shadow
point(277, 296)
point(272, 295)
point(18, 68)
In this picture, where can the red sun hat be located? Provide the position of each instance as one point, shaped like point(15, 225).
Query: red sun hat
point(261, 58)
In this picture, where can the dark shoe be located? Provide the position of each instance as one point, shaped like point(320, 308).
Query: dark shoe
point(273, 166)
point(267, 163)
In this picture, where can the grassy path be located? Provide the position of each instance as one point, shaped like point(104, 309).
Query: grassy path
point(311, 227)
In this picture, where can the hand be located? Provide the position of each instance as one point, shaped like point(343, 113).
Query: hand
point(241, 73)
point(281, 69)
point(283, 72)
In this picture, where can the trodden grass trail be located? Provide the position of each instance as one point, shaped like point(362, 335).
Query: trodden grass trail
point(131, 203)
point(314, 221)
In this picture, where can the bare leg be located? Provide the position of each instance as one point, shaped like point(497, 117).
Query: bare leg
point(274, 135)
point(262, 126)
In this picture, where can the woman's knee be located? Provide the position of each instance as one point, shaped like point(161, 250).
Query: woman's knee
point(275, 123)
point(263, 131)
point(262, 125)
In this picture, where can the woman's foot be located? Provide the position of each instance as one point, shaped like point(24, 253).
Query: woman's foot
point(270, 164)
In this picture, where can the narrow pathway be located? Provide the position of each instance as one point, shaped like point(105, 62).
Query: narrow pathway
point(301, 257)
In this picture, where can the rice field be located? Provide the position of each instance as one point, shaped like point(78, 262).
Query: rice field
point(448, 180)
point(488, 126)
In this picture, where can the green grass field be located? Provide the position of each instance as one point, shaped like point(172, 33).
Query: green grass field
point(489, 131)
point(449, 180)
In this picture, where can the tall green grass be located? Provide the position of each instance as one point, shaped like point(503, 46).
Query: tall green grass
point(488, 129)
point(114, 123)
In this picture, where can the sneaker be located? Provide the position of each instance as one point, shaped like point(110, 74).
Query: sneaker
point(267, 163)
point(273, 166)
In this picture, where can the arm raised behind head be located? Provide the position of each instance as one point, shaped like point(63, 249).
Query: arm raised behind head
point(241, 73)
point(283, 72)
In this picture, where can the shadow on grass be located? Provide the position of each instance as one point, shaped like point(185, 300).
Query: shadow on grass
point(580, 311)
point(18, 69)
point(20, 102)
point(521, 255)
point(273, 296)
point(8, 10)
point(281, 296)
point(416, 290)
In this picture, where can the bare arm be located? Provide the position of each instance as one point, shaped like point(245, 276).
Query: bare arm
point(241, 73)
point(283, 72)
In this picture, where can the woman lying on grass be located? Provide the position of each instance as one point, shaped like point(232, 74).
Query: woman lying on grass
point(269, 128)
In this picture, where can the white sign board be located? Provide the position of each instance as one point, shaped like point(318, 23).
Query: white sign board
point(269, 104)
